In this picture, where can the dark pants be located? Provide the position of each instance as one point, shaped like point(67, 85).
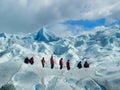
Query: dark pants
point(61, 66)
point(68, 68)
point(52, 66)
point(43, 65)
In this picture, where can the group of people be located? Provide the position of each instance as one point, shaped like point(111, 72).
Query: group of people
point(79, 65)
point(86, 65)
point(27, 60)
point(52, 63)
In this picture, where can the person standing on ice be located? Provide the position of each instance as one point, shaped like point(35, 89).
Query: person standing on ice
point(26, 60)
point(61, 63)
point(52, 62)
point(86, 64)
point(79, 65)
point(68, 64)
point(43, 62)
point(31, 60)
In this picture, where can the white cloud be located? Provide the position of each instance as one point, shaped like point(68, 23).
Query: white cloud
point(28, 15)
point(65, 30)
point(60, 30)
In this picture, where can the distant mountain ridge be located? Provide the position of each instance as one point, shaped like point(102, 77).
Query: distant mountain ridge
point(44, 35)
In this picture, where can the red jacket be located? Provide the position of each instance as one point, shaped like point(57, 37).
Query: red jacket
point(68, 64)
point(52, 60)
point(60, 62)
point(31, 60)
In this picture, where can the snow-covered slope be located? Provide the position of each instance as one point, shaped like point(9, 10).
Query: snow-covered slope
point(101, 49)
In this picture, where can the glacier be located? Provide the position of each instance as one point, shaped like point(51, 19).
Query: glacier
point(43, 35)
point(100, 48)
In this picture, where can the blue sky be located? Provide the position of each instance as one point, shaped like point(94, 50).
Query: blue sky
point(75, 27)
point(87, 24)
point(26, 16)
point(91, 24)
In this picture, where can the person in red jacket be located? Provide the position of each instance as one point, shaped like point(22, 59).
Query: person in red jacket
point(52, 62)
point(31, 60)
point(68, 64)
point(61, 63)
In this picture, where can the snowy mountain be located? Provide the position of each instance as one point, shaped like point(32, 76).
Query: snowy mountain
point(43, 35)
point(101, 49)
point(2, 35)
